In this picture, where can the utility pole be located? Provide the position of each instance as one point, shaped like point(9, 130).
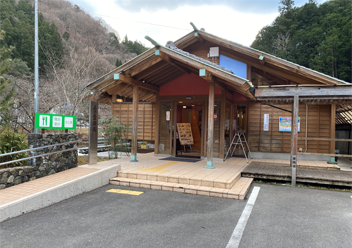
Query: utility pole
point(36, 67)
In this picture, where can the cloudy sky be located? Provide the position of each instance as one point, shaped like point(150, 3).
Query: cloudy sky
point(164, 20)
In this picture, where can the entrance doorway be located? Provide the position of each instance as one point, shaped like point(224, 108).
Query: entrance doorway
point(189, 129)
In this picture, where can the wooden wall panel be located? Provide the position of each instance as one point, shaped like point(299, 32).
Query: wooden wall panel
point(318, 126)
point(146, 118)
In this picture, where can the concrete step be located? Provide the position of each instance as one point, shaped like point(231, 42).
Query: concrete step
point(224, 183)
point(237, 191)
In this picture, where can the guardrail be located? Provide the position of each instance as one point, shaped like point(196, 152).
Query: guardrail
point(38, 148)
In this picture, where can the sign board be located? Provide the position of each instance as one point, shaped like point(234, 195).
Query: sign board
point(52, 121)
point(266, 122)
point(185, 133)
point(167, 115)
point(285, 124)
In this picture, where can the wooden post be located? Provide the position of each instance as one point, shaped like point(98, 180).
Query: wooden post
point(210, 126)
point(222, 124)
point(134, 145)
point(294, 138)
point(231, 122)
point(204, 128)
point(157, 121)
point(332, 133)
point(173, 128)
point(113, 99)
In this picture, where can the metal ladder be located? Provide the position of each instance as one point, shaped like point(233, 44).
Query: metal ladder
point(239, 141)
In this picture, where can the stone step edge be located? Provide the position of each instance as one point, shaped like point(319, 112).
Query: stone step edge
point(228, 184)
point(186, 188)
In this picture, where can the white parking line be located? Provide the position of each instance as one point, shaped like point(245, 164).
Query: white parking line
point(236, 236)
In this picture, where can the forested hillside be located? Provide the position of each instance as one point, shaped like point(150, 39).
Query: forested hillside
point(315, 36)
point(74, 49)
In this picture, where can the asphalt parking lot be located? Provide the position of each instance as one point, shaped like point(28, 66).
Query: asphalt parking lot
point(281, 217)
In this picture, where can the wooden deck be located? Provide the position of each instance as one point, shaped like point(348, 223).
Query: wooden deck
point(282, 171)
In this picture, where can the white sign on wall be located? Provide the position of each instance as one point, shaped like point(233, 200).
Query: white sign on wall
point(266, 122)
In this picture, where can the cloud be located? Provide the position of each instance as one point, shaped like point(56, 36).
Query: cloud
point(260, 7)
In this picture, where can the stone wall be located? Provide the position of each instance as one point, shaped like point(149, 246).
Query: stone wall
point(43, 166)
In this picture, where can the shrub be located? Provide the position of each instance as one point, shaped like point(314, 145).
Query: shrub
point(11, 141)
point(114, 132)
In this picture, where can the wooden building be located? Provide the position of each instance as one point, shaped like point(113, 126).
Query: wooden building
point(220, 87)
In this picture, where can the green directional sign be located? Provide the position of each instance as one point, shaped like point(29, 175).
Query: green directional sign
point(52, 121)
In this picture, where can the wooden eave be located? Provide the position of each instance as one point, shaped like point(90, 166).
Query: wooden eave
point(276, 66)
point(310, 94)
point(150, 72)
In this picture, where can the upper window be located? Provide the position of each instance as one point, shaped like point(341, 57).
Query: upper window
point(237, 67)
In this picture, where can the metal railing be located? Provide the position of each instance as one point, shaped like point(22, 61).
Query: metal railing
point(38, 148)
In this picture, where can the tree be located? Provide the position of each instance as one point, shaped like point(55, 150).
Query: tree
point(285, 6)
point(6, 90)
point(314, 36)
point(118, 62)
point(134, 47)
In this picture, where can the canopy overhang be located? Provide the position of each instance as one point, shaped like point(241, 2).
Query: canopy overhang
point(322, 94)
point(157, 67)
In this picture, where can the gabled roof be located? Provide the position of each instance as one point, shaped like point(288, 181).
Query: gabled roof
point(271, 61)
point(158, 66)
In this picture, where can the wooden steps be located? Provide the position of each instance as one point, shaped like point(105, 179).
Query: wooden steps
point(238, 190)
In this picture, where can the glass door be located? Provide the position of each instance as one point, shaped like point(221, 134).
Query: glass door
point(165, 128)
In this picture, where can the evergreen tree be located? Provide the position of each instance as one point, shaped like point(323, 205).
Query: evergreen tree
point(314, 36)
point(118, 62)
point(134, 47)
point(6, 91)
point(18, 23)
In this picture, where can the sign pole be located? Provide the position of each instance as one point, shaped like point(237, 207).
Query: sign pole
point(36, 62)
point(93, 132)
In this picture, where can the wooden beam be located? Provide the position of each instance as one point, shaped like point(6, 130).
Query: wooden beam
point(118, 88)
point(134, 144)
point(210, 78)
point(210, 126)
point(166, 78)
point(168, 60)
point(122, 90)
point(199, 38)
point(262, 59)
point(133, 81)
point(162, 74)
point(289, 91)
point(279, 80)
point(150, 72)
point(142, 68)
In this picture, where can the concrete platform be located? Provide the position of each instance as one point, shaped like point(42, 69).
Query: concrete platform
point(151, 172)
point(48, 190)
